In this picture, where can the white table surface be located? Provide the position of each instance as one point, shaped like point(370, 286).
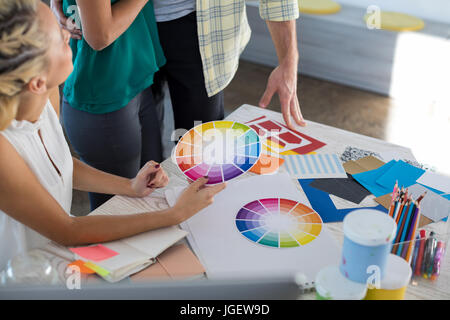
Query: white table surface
point(337, 140)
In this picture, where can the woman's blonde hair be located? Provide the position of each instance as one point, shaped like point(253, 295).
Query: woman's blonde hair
point(22, 53)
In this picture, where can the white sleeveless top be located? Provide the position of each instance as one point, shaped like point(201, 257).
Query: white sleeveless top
point(16, 238)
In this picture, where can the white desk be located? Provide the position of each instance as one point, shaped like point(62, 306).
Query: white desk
point(337, 140)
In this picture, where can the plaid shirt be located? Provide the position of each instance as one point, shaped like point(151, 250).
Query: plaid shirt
point(223, 33)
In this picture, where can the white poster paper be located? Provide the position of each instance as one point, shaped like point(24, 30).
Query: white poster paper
point(227, 253)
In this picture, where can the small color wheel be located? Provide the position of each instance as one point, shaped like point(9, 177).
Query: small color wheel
point(278, 223)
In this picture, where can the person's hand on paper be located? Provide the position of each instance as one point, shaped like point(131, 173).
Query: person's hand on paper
point(152, 176)
point(195, 198)
point(57, 8)
point(283, 80)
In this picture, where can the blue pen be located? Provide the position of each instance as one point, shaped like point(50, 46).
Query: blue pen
point(415, 253)
point(405, 229)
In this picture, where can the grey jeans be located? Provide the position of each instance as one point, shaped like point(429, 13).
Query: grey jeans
point(119, 142)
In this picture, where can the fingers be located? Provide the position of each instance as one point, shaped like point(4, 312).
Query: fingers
point(198, 184)
point(296, 112)
point(149, 172)
point(155, 174)
point(74, 30)
point(267, 96)
point(75, 34)
point(151, 167)
point(213, 190)
point(159, 179)
point(286, 111)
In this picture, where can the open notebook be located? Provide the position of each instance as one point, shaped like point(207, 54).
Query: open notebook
point(116, 260)
point(130, 255)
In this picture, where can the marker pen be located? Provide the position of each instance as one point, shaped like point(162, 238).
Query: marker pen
point(437, 260)
point(430, 251)
point(419, 263)
point(415, 253)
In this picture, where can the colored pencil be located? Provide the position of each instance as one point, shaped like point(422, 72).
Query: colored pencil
point(408, 222)
point(406, 254)
point(395, 207)
point(400, 210)
point(400, 225)
point(406, 228)
point(394, 192)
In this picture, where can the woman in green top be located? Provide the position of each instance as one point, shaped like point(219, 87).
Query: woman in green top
point(108, 109)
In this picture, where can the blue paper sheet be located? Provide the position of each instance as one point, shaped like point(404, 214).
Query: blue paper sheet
point(381, 181)
point(404, 173)
point(369, 179)
point(323, 205)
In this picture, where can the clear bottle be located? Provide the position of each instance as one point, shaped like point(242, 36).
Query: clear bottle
point(30, 268)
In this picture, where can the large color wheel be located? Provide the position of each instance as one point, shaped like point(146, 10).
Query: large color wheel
point(279, 223)
point(221, 150)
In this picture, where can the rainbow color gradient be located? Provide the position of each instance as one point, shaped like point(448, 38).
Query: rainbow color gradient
point(221, 150)
point(278, 223)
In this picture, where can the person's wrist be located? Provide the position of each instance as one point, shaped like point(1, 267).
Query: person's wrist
point(290, 61)
point(176, 214)
point(128, 188)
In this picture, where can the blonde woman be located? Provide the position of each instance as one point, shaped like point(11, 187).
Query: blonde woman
point(37, 172)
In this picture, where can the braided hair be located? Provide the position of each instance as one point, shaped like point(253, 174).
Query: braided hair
point(22, 53)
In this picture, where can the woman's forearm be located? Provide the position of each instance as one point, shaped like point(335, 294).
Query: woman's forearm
point(95, 229)
point(86, 178)
point(103, 23)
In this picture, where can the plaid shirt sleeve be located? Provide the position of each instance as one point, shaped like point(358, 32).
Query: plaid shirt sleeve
point(279, 10)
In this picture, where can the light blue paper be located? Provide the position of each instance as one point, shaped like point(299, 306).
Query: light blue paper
point(368, 179)
point(404, 173)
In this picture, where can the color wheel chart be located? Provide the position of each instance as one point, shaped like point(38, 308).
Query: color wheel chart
point(278, 223)
point(221, 150)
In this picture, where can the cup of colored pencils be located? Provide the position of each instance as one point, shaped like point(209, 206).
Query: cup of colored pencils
point(406, 213)
point(423, 252)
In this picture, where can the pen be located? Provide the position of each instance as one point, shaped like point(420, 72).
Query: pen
point(428, 254)
point(418, 268)
point(437, 260)
point(432, 256)
point(415, 254)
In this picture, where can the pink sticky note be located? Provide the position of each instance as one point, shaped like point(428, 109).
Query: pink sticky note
point(95, 253)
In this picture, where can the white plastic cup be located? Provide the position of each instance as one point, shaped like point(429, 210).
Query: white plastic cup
point(394, 284)
point(332, 285)
point(368, 236)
